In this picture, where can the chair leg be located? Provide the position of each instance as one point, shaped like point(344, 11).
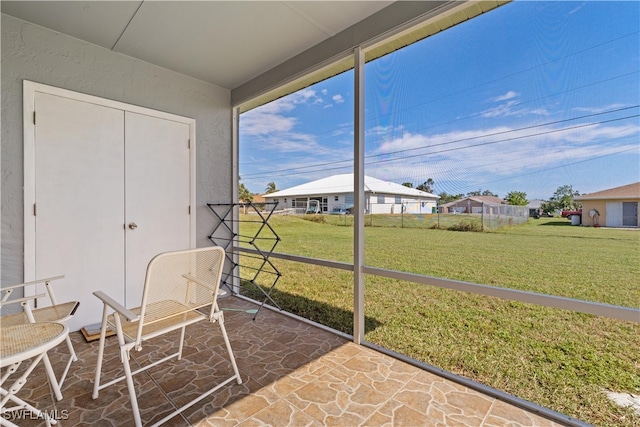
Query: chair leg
point(228, 344)
point(124, 355)
point(52, 377)
point(103, 336)
point(72, 358)
point(181, 345)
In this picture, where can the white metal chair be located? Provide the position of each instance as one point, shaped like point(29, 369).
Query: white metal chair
point(177, 284)
point(17, 344)
point(55, 312)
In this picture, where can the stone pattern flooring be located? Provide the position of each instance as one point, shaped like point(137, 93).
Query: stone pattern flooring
point(293, 375)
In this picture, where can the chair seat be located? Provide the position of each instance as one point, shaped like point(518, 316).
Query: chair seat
point(32, 314)
point(54, 313)
point(160, 317)
point(28, 340)
point(17, 344)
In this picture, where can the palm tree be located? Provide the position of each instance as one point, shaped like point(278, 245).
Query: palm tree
point(271, 187)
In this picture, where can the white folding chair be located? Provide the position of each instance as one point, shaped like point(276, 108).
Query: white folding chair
point(54, 312)
point(177, 284)
point(19, 343)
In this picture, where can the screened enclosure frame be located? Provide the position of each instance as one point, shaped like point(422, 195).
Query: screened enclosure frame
point(440, 18)
point(358, 56)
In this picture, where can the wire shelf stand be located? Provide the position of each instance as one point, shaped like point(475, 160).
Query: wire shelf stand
point(262, 238)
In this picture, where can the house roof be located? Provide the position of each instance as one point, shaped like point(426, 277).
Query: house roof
point(480, 199)
point(343, 184)
point(629, 191)
point(535, 203)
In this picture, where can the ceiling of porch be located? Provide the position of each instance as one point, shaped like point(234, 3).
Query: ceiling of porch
point(226, 43)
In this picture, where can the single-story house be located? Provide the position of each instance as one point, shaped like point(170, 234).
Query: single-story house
point(535, 206)
point(334, 194)
point(614, 207)
point(471, 204)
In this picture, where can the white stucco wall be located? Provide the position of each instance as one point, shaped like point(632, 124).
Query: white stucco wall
point(390, 205)
point(33, 53)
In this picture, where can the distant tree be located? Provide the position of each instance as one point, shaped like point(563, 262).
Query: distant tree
point(271, 188)
point(446, 198)
point(408, 184)
point(481, 193)
point(426, 186)
point(547, 208)
point(516, 198)
point(562, 199)
point(244, 194)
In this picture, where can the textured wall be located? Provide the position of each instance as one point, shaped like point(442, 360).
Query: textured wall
point(33, 53)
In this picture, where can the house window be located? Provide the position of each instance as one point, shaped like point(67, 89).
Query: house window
point(381, 199)
point(336, 198)
point(398, 200)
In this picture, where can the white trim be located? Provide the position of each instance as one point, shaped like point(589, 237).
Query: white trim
point(29, 90)
point(235, 189)
point(563, 303)
point(359, 202)
point(29, 189)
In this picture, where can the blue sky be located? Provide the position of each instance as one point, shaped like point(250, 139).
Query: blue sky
point(529, 97)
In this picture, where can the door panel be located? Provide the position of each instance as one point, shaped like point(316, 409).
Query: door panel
point(79, 174)
point(630, 214)
point(614, 214)
point(157, 194)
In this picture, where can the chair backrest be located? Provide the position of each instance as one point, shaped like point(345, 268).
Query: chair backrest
point(181, 281)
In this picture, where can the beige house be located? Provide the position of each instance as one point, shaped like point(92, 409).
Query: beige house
point(615, 207)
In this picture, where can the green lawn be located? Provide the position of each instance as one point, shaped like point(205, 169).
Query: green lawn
point(559, 359)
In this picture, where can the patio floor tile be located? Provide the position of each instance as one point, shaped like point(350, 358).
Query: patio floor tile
point(293, 374)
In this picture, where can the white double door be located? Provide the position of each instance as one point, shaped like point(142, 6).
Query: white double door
point(112, 189)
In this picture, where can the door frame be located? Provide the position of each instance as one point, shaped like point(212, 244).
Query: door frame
point(29, 90)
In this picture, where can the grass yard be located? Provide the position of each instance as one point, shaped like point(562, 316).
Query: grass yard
point(558, 359)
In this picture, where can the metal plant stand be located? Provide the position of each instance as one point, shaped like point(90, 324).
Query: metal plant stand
point(262, 240)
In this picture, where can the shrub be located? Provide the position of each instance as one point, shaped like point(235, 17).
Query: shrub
point(466, 225)
point(314, 218)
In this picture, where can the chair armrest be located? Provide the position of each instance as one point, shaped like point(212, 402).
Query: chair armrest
point(35, 282)
point(20, 300)
point(129, 315)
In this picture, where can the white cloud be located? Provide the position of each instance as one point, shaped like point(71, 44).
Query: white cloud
point(511, 109)
point(577, 8)
point(476, 155)
point(597, 110)
point(509, 95)
point(338, 99)
point(380, 130)
point(264, 122)
point(272, 117)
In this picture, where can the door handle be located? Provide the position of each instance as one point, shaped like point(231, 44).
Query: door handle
point(133, 225)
